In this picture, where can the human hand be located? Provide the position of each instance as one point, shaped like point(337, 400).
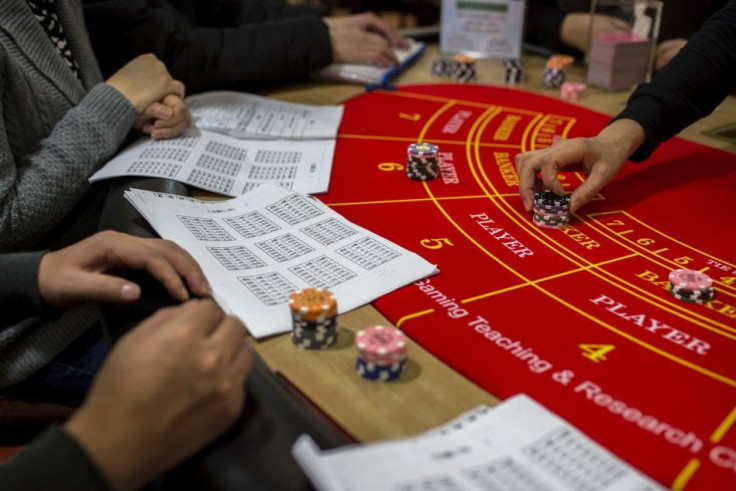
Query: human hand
point(575, 28)
point(666, 50)
point(367, 21)
point(145, 80)
point(354, 46)
point(78, 273)
point(165, 119)
point(168, 388)
point(601, 157)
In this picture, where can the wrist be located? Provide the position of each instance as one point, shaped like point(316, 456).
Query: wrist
point(625, 134)
point(45, 290)
point(137, 104)
point(331, 23)
point(118, 453)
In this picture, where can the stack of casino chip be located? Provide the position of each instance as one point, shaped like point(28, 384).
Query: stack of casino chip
point(691, 286)
point(381, 353)
point(553, 75)
point(572, 90)
point(422, 161)
point(442, 67)
point(314, 318)
point(551, 210)
point(513, 70)
point(463, 68)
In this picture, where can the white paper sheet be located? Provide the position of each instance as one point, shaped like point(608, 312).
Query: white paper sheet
point(482, 28)
point(226, 165)
point(250, 116)
point(259, 247)
point(519, 444)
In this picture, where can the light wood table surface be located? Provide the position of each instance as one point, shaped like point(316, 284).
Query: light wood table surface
point(430, 393)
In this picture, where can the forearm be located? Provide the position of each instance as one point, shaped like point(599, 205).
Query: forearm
point(217, 58)
point(43, 187)
point(265, 10)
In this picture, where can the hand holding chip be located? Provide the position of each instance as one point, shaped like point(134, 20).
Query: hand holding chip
point(601, 158)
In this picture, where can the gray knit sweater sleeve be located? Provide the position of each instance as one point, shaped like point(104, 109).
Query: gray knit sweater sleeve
point(38, 191)
point(19, 296)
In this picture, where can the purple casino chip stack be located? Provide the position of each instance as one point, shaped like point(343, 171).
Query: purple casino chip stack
point(551, 210)
point(422, 161)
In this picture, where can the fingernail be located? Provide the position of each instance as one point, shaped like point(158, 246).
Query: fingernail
point(129, 291)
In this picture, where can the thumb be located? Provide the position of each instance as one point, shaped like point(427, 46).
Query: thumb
point(105, 288)
point(586, 191)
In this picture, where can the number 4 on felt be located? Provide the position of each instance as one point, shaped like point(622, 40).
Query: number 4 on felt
point(596, 352)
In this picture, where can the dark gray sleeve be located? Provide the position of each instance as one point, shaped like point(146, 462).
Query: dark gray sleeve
point(691, 85)
point(53, 461)
point(38, 191)
point(19, 297)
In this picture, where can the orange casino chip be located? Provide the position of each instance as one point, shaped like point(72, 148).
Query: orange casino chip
point(313, 304)
point(560, 62)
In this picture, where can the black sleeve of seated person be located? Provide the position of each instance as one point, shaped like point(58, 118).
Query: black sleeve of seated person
point(53, 461)
point(690, 87)
point(227, 49)
point(261, 10)
point(543, 21)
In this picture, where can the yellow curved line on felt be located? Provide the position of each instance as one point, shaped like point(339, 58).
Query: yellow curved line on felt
point(723, 428)
point(685, 474)
point(413, 316)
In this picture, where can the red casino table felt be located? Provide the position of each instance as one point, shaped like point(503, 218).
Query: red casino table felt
point(580, 318)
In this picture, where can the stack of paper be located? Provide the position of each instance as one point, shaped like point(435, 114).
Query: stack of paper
point(259, 247)
point(618, 61)
point(516, 445)
point(250, 116)
point(288, 145)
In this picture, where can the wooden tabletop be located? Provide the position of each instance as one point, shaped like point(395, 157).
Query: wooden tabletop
point(429, 393)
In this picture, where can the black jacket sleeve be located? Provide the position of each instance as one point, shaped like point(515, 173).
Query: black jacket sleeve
point(19, 297)
point(53, 461)
point(690, 87)
point(210, 45)
point(543, 22)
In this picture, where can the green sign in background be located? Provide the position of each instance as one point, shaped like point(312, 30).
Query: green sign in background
point(494, 7)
